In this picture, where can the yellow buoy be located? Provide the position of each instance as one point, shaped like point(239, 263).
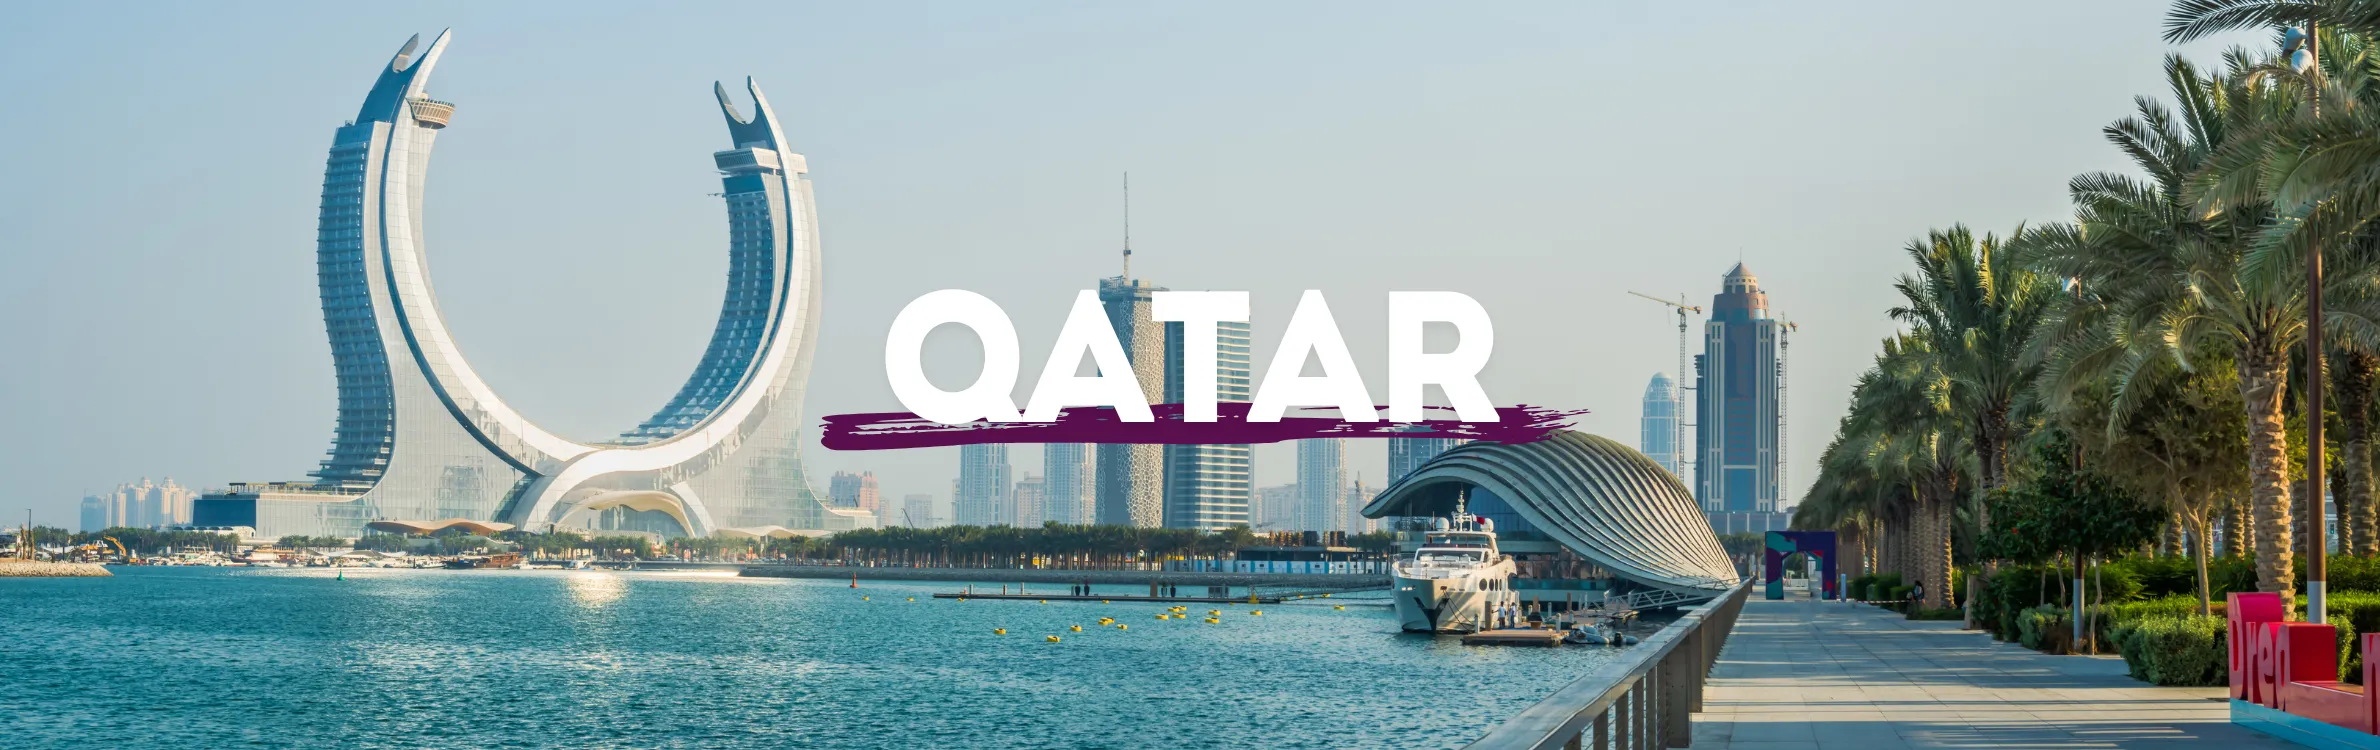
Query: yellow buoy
point(1103, 601)
point(1122, 626)
point(999, 631)
point(913, 598)
point(1342, 606)
point(1214, 613)
point(1053, 639)
point(1044, 601)
point(1326, 596)
point(1161, 617)
point(1257, 613)
point(1077, 628)
point(1211, 621)
point(864, 599)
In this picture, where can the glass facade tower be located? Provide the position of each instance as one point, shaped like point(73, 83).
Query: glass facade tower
point(1207, 487)
point(1658, 434)
point(1735, 431)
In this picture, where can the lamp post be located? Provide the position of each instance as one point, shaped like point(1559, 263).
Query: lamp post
point(2317, 549)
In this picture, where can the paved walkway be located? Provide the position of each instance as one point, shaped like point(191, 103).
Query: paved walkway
point(1803, 675)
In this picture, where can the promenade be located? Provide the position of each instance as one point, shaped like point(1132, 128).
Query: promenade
point(1803, 675)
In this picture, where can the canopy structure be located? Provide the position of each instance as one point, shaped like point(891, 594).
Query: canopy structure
point(482, 528)
point(1603, 500)
point(767, 532)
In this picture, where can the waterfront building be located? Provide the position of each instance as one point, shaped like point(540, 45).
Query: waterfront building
point(142, 505)
point(1321, 484)
point(1207, 487)
point(1275, 508)
point(1131, 476)
point(1407, 454)
point(982, 497)
point(1736, 396)
point(1658, 427)
point(848, 490)
point(1030, 500)
point(421, 437)
point(1068, 482)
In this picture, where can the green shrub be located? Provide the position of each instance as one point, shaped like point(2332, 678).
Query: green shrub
point(1949, 613)
point(2129, 643)
point(2179, 651)
point(2043, 628)
point(1859, 587)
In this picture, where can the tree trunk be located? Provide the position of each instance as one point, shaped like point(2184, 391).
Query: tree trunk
point(2261, 371)
point(2199, 547)
point(2237, 529)
point(2354, 490)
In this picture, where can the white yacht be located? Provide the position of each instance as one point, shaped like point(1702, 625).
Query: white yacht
point(1455, 580)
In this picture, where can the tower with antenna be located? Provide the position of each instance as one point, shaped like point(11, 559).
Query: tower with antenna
point(1129, 484)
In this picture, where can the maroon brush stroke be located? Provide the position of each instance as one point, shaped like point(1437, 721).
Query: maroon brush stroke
point(895, 430)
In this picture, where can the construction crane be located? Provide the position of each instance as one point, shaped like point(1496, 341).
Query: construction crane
point(1677, 385)
point(1785, 331)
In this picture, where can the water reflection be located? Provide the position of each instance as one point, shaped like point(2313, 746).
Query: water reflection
point(593, 590)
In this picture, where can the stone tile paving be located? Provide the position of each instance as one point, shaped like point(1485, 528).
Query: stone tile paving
point(1804, 675)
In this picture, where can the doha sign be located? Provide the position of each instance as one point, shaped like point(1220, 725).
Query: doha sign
point(421, 436)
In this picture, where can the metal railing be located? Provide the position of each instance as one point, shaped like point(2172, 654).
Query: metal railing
point(1641, 701)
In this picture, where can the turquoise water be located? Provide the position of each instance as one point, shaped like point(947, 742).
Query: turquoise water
point(205, 658)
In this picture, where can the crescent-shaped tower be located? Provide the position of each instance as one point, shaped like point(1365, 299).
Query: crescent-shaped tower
point(422, 438)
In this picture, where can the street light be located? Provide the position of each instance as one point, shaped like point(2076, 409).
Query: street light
point(2304, 51)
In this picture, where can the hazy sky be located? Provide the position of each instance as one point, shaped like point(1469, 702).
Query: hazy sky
point(163, 162)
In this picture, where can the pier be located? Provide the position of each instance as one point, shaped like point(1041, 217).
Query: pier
point(1798, 674)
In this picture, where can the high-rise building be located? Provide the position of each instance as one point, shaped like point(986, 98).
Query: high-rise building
point(1207, 487)
point(1407, 454)
point(1068, 482)
point(1658, 428)
point(1321, 484)
point(917, 511)
point(143, 505)
point(1275, 509)
point(421, 437)
point(983, 493)
point(1735, 415)
point(1131, 476)
point(858, 492)
point(1358, 496)
point(1029, 500)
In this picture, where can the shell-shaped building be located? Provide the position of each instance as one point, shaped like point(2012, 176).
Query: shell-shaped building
point(421, 436)
point(1602, 500)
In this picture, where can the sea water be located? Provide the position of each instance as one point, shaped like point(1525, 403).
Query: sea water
point(227, 657)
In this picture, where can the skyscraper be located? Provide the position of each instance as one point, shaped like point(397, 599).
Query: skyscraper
point(1352, 509)
point(917, 512)
point(1069, 484)
point(1029, 501)
point(420, 436)
point(145, 505)
point(1132, 476)
point(1207, 486)
point(1735, 431)
point(1658, 428)
point(1276, 509)
point(1407, 454)
point(982, 498)
point(1321, 484)
point(859, 491)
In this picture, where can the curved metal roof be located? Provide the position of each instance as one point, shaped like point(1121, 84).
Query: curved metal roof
point(399, 526)
point(1604, 500)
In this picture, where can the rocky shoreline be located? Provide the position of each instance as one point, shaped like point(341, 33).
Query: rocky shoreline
point(1010, 575)
point(37, 569)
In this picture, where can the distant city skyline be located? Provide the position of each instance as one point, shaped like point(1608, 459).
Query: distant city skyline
point(957, 159)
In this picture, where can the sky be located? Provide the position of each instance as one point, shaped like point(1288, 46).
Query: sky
point(163, 163)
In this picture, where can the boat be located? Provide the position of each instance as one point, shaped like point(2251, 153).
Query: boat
point(481, 562)
point(1456, 579)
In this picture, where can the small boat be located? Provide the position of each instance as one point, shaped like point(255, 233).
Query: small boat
point(1456, 580)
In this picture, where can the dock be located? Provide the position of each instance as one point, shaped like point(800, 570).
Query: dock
point(1258, 599)
point(1514, 637)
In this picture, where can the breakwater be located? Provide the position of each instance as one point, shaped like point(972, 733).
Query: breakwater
point(1014, 575)
point(37, 569)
